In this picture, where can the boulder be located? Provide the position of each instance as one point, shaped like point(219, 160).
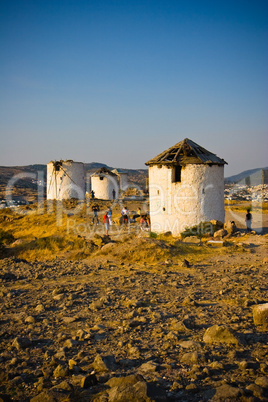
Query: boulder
point(192, 240)
point(262, 382)
point(220, 334)
point(227, 392)
point(104, 363)
point(230, 227)
point(221, 233)
point(260, 316)
point(133, 388)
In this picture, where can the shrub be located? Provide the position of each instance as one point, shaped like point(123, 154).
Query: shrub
point(6, 237)
point(200, 230)
point(153, 235)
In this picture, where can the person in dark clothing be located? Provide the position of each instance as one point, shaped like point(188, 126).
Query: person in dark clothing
point(95, 210)
point(248, 220)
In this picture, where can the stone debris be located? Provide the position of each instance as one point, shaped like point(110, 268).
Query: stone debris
point(99, 330)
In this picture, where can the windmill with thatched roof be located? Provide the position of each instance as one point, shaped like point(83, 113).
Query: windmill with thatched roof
point(186, 187)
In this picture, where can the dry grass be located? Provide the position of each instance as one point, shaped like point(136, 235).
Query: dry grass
point(243, 206)
point(31, 235)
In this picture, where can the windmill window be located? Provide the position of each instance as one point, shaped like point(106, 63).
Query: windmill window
point(177, 174)
point(101, 177)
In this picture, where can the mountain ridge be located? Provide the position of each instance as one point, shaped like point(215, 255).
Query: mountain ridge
point(6, 172)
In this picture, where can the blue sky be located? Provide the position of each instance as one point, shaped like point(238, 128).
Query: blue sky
point(119, 81)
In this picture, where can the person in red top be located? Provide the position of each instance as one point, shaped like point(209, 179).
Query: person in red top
point(106, 223)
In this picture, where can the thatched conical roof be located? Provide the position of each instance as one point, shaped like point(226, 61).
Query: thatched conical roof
point(186, 152)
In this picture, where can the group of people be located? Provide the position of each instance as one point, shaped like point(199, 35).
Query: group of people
point(124, 220)
point(144, 219)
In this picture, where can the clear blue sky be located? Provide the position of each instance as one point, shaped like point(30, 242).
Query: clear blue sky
point(119, 81)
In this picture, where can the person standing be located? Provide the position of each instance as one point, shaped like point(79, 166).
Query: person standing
point(248, 220)
point(125, 213)
point(109, 213)
point(95, 210)
point(106, 223)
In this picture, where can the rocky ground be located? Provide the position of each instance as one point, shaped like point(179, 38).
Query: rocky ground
point(110, 329)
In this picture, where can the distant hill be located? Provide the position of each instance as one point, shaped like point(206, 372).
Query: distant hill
point(251, 177)
point(28, 184)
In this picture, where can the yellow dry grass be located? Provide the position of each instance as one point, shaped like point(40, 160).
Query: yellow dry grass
point(46, 236)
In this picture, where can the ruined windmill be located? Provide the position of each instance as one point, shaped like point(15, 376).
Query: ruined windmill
point(186, 187)
point(65, 180)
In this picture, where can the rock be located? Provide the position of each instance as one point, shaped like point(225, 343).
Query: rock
point(185, 264)
point(133, 351)
point(230, 227)
point(190, 358)
point(257, 391)
point(262, 381)
point(61, 371)
point(72, 363)
point(226, 392)
point(104, 363)
point(69, 320)
point(40, 308)
point(59, 297)
point(81, 334)
point(54, 394)
point(192, 240)
point(21, 343)
point(70, 343)
point(216, 365)
point(149, 367)
point(64, 385)
point(58, 290)
point(221, 233)
point(133, 388)
point(260, 316)
point(30, 319)
point(220, 334)
point(88, 381)
point(45, 396)
point(189, 344)
point(188, 301)
point(168, 262)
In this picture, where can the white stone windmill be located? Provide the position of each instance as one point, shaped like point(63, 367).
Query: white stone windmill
point(65, 180)
point(186, 187)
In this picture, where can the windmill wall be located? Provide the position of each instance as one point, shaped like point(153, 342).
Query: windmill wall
point(181, 199)
point(103, 186)
point(65, 180)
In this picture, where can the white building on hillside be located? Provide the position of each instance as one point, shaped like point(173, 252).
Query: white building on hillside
point(186, 187)
point(65, 180)
point(105, 184)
